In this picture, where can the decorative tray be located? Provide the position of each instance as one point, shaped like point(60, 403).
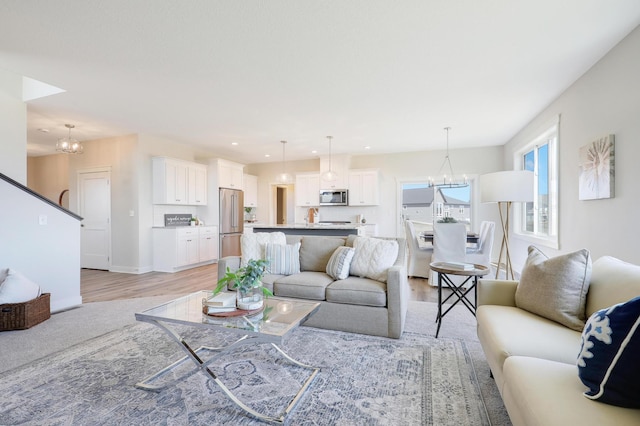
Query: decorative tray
point(236, 313)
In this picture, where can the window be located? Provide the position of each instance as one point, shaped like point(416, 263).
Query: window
point(538, 220)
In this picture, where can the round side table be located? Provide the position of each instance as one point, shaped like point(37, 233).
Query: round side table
point(458, 292)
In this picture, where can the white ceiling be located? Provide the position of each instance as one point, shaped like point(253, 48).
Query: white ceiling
point(379, 73)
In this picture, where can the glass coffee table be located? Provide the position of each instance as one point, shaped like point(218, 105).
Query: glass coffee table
point(278, 319)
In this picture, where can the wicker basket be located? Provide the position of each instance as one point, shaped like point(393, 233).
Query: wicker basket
point(20, 316)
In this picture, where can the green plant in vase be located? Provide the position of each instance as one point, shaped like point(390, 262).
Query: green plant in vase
point(247, 280)
point(448, 219)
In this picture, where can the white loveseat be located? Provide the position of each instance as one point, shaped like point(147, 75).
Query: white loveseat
point(356, 304)
point(533, 359)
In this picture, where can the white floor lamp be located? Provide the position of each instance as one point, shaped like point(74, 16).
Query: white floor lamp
point(504, 188)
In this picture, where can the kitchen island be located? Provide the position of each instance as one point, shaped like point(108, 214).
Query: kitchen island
point(323, 229)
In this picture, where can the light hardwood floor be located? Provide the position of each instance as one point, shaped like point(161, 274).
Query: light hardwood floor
point(99, 286)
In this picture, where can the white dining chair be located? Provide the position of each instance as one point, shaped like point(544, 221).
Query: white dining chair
point(419, 257)
point(449, 245)
point(481, 254)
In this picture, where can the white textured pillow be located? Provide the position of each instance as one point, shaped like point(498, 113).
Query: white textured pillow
point(372, 257)
point(16, 288)
point(340, 263)
point(252, 244)
point(284, 259)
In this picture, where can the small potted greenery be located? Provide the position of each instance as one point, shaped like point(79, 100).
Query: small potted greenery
point(247, 280)
point(448, 219)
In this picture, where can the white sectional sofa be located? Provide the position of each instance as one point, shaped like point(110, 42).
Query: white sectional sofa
point(358, 304)
point(533, 359)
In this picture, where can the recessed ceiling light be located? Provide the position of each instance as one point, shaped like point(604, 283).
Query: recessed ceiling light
point(314, 151)
point(367, 147)
point(234, 143)
point(267, 155)
point(43, 130)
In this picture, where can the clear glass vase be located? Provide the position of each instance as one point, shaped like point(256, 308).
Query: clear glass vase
point(250, 300)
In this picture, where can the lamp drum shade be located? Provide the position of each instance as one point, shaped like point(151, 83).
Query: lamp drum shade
point(510, 185)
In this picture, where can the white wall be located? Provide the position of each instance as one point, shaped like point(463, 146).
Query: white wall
point(606, 100)
point(13, 128)
point(48, 255)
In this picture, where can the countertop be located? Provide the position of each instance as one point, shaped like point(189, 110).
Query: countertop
point(311, 226)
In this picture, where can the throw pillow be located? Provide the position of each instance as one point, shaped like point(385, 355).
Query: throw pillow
point(608, 360)
point(372, 257)
point(252, 244)
point(16, 288)
point(340, 263)
point(284, 259)
point(556, 288)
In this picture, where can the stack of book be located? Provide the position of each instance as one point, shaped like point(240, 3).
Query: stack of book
point(221, 302)
point(460, 266)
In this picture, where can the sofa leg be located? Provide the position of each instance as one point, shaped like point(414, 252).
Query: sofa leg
point(490, 373)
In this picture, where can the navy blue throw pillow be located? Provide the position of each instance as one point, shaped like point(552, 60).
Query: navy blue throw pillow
point(608, 360)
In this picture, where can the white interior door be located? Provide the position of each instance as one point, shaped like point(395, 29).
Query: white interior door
point(94, 202)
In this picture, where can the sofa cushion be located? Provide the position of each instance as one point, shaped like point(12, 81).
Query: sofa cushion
point(506, 331)
point(538, 392)
point(305, 285)
point(372, 257)
point(556, 288)
point(252, 244)
point(613, 281)
point(283, 258)
point(358, 291)
point(316, 251)
point(16, 288)
point(608, 360)
point(340, 263)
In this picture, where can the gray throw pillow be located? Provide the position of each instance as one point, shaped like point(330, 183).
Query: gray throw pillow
point(556, 288)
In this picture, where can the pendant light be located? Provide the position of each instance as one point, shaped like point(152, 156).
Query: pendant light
point(329, 175)
point(284, 177)
point(450, 180)
point(68, 144)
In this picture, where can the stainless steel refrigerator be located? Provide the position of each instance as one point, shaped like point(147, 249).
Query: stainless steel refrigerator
point(231, 221)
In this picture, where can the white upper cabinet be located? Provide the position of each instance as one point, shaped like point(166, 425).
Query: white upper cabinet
point(250, 190)
point(178, 182)
point(197, 185)
point(230, 174)
point(307, 189)
point(364, 188)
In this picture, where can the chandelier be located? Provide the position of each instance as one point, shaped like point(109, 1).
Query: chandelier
point(68, 144)
point(448, 181)
point(284, 177)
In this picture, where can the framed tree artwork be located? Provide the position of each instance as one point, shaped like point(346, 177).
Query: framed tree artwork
point(597, 169)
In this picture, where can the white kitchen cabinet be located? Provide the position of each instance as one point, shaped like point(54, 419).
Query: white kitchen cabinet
point(250, 183)
point(230, 174)
point(197, 185)
point(178, 182)
point(307, 189)
point(364, 188)
point(208, 243)
point(175, 249)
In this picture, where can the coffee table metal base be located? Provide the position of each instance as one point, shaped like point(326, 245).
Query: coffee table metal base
point(202, 365)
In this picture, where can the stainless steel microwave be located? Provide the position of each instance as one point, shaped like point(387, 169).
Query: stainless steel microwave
point(334, 197)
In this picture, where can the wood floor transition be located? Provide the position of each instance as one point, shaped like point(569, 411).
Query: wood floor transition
point(99, 286)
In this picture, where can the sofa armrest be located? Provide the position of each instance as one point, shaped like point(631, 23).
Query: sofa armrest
point(233, 262)
point(397, 298)
point(497, 292)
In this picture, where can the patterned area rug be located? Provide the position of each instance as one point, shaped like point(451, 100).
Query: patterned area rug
point(417, 380)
